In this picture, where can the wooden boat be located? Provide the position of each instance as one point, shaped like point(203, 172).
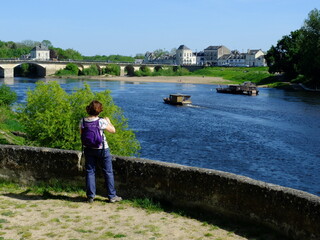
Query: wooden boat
point(178, 99)
point(246, 88)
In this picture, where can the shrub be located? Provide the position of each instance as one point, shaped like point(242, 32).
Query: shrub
point(112, 69)
point(51, 118)
point(91, 71)
point(143, 71)
point(70, 69)
point(7, 96)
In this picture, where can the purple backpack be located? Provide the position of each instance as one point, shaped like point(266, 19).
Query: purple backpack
point(90, 135)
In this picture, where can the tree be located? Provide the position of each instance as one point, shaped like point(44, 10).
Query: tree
point(310, 48)
point(91, 71)
point(46, 43)
point(112, 69)
point(51, 118)
point(139, 56)
point(159, 52)
point(298, 53)
point(7, 96)
point(285, 56)
point(30, 43)
point(70, 69)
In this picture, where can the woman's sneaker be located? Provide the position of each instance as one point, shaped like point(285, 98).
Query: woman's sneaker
point(115, 199)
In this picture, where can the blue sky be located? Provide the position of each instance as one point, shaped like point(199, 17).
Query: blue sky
point(128, 27)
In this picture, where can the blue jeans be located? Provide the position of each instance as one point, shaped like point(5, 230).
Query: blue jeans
point(103, 157)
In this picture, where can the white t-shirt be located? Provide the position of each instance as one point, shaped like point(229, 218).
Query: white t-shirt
point(102, 125)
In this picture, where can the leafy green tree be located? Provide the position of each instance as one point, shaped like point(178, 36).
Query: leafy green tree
point(7, 96)
point(30, 43)
point(119, 58)
point(112, 69)
point(47, 43)
point(24, 69)
point(70, 69)
point(51, 118)
point(297, 55)
point(139, 56)
point(143, 71)
point(67, 54)
point(91, 71)
point(310, 48)
point(160, 52)
point(285, 56)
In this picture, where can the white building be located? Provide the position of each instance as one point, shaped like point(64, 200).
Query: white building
point(234, 59)
point(255, 58)
point(40, 52)
point(185, 56)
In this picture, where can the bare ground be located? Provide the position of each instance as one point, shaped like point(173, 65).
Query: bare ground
point(25, 216)
point(179, 79)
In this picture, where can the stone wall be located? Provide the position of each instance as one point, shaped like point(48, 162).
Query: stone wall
point(292, 212)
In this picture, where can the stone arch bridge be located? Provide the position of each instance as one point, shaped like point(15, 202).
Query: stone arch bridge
point(47, 68)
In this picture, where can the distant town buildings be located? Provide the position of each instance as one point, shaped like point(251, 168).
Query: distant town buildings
point(40, 52)
point(185, 56)
point(210, 56)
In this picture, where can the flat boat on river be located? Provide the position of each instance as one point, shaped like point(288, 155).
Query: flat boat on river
point(178, 99)
point(246, 88)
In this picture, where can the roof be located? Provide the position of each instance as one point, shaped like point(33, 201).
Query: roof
point(253, 51)
point(183, 47)
point(213, 48)
point(40, 47)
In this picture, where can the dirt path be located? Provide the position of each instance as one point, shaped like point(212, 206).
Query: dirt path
point(32, 217)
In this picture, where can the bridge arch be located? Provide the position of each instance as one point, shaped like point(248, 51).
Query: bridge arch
point(1, 72)
point(158, 68)
point(129, 69)
point(29, 69)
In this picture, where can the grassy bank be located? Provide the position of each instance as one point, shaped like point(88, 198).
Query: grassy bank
point(11, 130)
point(258, 75)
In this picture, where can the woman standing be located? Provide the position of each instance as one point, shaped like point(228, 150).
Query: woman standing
point(96, 150)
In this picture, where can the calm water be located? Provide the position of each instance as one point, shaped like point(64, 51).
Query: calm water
point(273, 137)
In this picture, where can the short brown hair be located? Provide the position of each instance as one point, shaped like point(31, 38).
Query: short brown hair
point(94, 108)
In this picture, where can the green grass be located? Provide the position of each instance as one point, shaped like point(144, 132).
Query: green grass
point(9, 124)
point(148, 204)
point(236, 74)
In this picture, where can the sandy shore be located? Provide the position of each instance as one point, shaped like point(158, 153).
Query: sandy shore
point(179, 79)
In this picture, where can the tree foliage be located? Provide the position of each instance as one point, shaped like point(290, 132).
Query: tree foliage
point(298, 54)
point(52, 116)
point(285, 56)
point(310, 48)
point(112, 69)
point(7, 96)
point(91, 71)
point(70, 69)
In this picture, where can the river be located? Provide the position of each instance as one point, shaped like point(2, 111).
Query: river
point(272, 137)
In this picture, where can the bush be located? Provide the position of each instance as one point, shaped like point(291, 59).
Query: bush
point(70, 69)
point(91, 71)
point(112, 69)
point(143, 71)
point(7, 96)
point(52, 116)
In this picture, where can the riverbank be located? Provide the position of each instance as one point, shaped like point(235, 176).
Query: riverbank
point(164, 79)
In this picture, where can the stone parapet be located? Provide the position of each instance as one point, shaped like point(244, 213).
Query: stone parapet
point(294, 213)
